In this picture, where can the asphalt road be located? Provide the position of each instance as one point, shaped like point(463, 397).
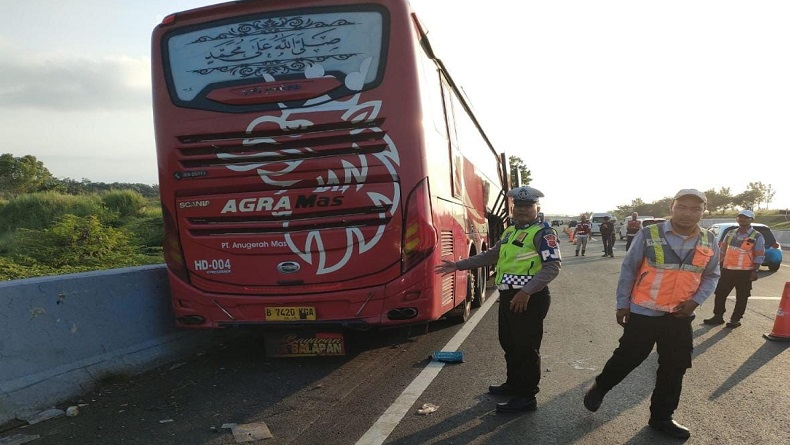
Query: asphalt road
point(736, 393)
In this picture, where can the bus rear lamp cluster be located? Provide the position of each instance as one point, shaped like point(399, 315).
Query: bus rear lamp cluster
point(191, 319)
point(419, 234)
point(402, 313)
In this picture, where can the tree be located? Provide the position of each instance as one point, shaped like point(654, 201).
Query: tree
point(719, 201)
point(22, 175)
point(519, 169)
point(759, 190)
point(748, 199)
point(769, 195)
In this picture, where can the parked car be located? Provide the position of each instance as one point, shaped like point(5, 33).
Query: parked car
point(773, 250)
point(646, 221)
point(556, 222)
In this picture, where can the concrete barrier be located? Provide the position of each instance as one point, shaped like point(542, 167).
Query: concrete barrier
point(61, 334)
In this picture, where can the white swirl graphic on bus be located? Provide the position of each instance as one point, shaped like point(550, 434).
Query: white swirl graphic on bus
point(350, 172)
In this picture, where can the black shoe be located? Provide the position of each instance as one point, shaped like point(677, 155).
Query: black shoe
point(670, 428)
point(715, 320)
point(516, 404)
point(503, 389)
point(577, 253)
point(733, 324)
point(593, 398)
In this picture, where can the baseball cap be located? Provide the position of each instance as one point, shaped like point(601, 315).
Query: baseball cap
point(692, 192)
point(746, 213)
point(525, 193)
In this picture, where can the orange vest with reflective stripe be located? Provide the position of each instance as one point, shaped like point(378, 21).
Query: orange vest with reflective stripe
point(666, 280)
point(740, 257)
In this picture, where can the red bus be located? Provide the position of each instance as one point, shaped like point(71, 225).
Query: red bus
point(316, 162)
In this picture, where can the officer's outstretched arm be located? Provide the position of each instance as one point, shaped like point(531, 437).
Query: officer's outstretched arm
point(446, 267)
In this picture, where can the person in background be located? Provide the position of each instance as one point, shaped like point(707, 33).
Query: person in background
point(633, 225)
point(607, 236)
point(744, 252)
point(581, 232)
point(540, 216)
point(527, 259)
point(670, 269)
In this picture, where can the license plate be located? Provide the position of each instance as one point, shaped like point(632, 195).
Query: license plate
point(290, 313)
point(304, 344)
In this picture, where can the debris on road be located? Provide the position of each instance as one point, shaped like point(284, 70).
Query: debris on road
point(448, 356)
point(45, 415)
point(18, 439)
point(427, 408)
point(249, 432)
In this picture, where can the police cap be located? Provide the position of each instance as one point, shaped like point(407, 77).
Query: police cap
point(525, 193)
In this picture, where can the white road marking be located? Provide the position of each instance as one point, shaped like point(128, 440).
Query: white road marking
point(384, 426)
point(753, 297)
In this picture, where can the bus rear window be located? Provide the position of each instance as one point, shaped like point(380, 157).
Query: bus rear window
point(346, 45)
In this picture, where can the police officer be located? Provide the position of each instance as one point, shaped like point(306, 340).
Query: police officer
point(527, 258)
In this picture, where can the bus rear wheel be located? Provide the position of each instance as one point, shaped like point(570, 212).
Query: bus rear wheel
point(463, 311)
point(481, 280)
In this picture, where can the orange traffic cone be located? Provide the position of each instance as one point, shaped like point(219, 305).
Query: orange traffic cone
point(781, 330)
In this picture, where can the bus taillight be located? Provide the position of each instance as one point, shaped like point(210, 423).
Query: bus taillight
point(419, 234)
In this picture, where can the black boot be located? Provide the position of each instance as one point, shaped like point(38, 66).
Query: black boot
point(715, 320)
point(670, 428)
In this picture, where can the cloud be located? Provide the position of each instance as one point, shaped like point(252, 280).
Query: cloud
point(67, 83)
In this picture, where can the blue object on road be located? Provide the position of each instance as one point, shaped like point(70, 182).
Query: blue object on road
point(448, 356)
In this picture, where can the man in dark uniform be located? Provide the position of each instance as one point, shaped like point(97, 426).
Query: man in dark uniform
point(527, 258)
point(607, 236)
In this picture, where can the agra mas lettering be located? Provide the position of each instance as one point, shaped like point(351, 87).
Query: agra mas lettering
point(268, 204)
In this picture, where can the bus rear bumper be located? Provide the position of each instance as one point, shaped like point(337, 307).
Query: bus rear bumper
point(401, 302)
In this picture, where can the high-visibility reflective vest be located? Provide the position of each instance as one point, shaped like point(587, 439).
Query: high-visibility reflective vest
point(518, 261)
point(740, 257)
point(666, 280)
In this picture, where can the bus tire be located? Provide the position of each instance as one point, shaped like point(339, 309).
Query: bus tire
point(481, 280)
point(463, 311)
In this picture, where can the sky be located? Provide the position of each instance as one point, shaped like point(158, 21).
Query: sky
point(605, 101)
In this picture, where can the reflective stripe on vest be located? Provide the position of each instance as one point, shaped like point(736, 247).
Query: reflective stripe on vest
point(740, 257)
point(664, 280)
point(518, 261)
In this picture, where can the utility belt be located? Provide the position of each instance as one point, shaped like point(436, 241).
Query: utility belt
point(509, 286)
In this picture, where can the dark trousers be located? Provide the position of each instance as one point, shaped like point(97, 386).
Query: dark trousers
point(741, 280)
point(608, 244)
point(673, 338)
point(520, 335)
